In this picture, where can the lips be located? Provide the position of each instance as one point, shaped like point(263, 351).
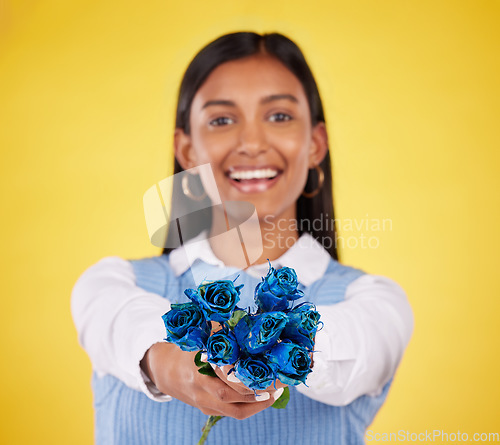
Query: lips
point(243, 177)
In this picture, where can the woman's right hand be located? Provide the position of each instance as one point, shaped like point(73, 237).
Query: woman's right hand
point(174, 372)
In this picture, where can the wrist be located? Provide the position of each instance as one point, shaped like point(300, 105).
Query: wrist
point(147, 363)
point(157, 364)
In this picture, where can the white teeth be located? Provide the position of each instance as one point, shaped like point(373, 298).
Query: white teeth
point(254, 174)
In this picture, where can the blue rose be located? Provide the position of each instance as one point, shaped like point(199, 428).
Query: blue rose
point(302, 325)
point(186, 326)
point(258, 333)
point(217, 299)
point(222, 348)
point(291, 361)
point(255, 372)
point(276, 288)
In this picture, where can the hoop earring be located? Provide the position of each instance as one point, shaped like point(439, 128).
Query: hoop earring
point(321, 178)
point(187, 192)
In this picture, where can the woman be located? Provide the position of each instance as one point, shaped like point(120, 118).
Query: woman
point(249, 108)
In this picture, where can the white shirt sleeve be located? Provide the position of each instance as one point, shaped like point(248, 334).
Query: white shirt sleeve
point(361, 343)
point(117, 322)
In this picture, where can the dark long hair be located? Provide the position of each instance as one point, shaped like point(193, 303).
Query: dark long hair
point(310, 211)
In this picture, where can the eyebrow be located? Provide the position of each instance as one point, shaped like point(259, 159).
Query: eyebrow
point(263, 101)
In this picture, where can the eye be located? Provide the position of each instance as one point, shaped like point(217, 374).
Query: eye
point(280, 117)
point(222, 120)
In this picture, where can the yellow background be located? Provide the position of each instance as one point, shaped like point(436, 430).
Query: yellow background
point(411, 93)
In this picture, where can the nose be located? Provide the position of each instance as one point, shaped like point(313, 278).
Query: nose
point(252, 141)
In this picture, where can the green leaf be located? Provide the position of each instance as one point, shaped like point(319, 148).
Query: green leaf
point(197, 360)
point(207, 370)
point(235, 318)
point(283, 400)
point(203, 367)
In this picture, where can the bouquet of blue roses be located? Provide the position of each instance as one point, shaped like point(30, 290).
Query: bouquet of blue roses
point(274, 343)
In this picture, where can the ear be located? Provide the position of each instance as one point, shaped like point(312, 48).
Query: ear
point(183, 149)
point(319, 144)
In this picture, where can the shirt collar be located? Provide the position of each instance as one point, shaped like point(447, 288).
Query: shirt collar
point(307, 256)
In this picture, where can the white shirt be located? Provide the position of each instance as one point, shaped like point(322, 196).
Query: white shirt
point(358, 349)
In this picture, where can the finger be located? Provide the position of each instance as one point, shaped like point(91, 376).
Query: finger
point(231, 377)
point(216, 326)
point(244, 410)
point(231, 380)
point(280, 385)
point(237, 385)
point(223, 392)
point(277, 394)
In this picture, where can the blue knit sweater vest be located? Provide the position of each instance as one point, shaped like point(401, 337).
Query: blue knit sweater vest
point(125, 416)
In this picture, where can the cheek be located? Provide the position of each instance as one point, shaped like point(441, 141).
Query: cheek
point(210, 149)
point(293, 142)
point(295, 150)
point(212, 146)
point(298, 173)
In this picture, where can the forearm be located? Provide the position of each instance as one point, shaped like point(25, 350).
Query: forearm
point(117, 322)
point(362, 341)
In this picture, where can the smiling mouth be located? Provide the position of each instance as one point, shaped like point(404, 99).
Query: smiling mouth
point(253, 174)
point(251, 180)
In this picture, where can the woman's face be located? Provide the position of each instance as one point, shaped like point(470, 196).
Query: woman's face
point(251, 121)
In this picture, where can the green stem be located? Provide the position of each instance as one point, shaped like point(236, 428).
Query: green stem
point(211, 421)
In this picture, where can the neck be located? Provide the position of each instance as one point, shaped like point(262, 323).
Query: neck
point(276, 234)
